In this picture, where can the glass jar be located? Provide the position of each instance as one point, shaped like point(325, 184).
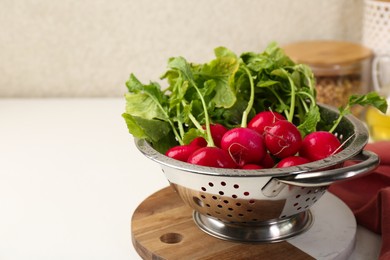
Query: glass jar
point(340, 69)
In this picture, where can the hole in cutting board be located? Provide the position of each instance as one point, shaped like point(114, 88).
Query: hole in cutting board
point(171, 238)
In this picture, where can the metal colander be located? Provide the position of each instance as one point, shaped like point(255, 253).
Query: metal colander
point(265, 205)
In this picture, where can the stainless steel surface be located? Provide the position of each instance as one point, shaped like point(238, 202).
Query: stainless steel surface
point(267, 231)
point(367, 162)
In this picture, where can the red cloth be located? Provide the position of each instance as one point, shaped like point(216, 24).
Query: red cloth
point(369, 196)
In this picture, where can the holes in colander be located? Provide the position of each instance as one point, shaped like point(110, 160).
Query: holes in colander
point(307, 197)
point(217, 203)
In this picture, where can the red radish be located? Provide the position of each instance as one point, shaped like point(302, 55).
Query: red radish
point(199, 142)
point(283, 139)
point(212, 157)
point(268, 161)
point(217, 131)
point(252, 167)
point(264, 119)
point(292, 161)
point(319, 145)
point(244, 145)
point(181, 152)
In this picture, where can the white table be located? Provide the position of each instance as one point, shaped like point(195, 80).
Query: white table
point(71, 177)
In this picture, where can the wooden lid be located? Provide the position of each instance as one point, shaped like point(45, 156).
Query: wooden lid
point(327, 53)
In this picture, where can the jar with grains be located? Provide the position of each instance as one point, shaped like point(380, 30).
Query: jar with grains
point(340, 68)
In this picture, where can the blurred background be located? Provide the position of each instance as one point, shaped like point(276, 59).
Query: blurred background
point(88, 48)
point(63, 68)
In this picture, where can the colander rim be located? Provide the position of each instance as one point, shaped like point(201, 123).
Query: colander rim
point(357, 143)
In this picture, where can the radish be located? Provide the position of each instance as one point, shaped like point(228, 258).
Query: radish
point(252, 167)
point(264, 119)
point(199, 141)
point(217, 131)
point(268, 161)
point(319, 145)
point(292, 161)
point(212, 157)
point(182, 152)
point(283, 139)
point(244, 145)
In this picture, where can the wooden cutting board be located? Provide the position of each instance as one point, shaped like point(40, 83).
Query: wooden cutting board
point(162, 228)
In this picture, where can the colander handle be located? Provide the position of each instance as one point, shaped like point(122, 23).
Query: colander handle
point(368, 161)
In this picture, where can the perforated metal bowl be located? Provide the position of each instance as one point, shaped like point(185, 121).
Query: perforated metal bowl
point(264, 205)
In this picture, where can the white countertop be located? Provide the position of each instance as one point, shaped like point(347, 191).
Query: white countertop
point(71, 177)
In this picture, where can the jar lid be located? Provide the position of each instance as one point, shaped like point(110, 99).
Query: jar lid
point(327, 53)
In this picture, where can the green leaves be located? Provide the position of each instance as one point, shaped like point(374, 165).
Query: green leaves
point(371, 98)
point(143, 105)
point(290, 85)
point(310, 121)
point(157, 132)
point(229, 90)
point(221, 72)
point(145, 101)
point(147, 115)
point(180, 65)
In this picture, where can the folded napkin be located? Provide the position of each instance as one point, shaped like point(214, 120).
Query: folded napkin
point(369, 196)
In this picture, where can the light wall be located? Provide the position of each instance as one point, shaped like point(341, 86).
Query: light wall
point(88, 48)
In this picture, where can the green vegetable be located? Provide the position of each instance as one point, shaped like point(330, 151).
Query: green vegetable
point(229, 90)
point(371, 98)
